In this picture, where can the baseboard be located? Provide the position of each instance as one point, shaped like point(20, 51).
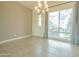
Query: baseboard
point(9, 40)
point(38, 36)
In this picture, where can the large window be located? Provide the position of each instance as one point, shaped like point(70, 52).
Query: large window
point(60, 23)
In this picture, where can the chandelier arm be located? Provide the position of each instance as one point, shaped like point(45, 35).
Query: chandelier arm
point(41, 6)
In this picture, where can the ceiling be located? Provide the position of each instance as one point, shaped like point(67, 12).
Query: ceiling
point(31, 4)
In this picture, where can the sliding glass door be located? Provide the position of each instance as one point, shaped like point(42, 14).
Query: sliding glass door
point(53, 24)
point(60, 24)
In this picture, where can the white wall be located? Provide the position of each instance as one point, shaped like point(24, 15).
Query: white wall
point(15, 20)
point(36, 30)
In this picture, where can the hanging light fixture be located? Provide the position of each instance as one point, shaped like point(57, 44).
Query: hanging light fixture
point(41, 6)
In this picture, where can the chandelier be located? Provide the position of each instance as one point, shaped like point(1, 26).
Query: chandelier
point(41, 6)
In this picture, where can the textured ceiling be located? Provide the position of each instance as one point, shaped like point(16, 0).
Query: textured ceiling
point(31, 4)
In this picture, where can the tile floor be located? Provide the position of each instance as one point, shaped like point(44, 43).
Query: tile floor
point(38, 47)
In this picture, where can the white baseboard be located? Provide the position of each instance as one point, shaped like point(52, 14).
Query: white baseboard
point(9, 40)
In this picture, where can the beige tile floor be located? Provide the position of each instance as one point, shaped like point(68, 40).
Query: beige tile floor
point(37, 47)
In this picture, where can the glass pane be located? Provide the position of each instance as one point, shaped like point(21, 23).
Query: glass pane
point(66, 20)
point(53, 23)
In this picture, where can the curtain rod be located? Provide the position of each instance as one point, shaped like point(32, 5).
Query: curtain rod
point(59, 4)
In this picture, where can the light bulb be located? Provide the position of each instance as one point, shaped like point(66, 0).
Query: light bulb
point(43, 11)
point(46, 6)
point(36, 8)
point(39, 5)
